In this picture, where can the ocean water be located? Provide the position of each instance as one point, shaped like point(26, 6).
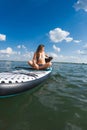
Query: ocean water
point(60, 103)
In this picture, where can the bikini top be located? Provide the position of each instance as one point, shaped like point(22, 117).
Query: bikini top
point(40, 57)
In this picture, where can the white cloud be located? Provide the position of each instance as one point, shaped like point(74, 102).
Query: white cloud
point(24, 56)
point(77, 41)
point(10, 54)
point(85, 46)
point(21, 47)
point(58, 35)
point(2, 37)
point(65, 58)
point(8, 51)
point(81, 4)
point(24, 47)
point(83, 51)
point(19, 53)
point(73, 59)
point(69, 39)
point(54, 55)
point(56, 48)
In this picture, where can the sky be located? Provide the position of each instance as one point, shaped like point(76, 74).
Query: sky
point(61, 25)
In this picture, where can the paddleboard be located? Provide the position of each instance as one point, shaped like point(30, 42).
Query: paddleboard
point(21, 80)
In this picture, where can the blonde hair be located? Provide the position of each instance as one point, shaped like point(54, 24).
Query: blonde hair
point(39, 48)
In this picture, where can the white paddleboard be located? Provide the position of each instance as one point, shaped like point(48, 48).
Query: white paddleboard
point(21, 80)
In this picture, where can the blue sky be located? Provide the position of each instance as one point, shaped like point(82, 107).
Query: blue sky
point(59, 24)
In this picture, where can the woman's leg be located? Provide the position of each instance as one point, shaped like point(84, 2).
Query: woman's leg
point(30, 63)
point(48, 64)
point(36, 66)
point(33, 64)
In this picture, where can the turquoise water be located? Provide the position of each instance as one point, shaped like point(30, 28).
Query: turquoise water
point(60, 103)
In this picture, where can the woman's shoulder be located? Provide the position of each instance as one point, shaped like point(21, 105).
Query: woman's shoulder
point(34, 53)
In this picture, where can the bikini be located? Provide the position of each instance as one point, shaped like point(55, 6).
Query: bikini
point(41, 57)
point(40, 64)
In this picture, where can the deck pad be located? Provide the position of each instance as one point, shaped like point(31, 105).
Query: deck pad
point(21, 76)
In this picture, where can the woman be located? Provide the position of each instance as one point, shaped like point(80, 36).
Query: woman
point(38, 61)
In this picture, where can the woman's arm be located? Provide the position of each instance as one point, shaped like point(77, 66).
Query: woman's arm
point(46, 56)
point(34, 58)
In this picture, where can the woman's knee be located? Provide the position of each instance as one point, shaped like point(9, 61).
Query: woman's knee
point(49, 64)
point(30, 62)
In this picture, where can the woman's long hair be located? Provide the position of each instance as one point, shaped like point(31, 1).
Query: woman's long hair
point(39, 48)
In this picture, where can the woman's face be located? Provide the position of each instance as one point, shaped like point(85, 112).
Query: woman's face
point(42, 48)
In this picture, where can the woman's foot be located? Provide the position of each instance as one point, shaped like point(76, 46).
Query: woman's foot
point(35, 66)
